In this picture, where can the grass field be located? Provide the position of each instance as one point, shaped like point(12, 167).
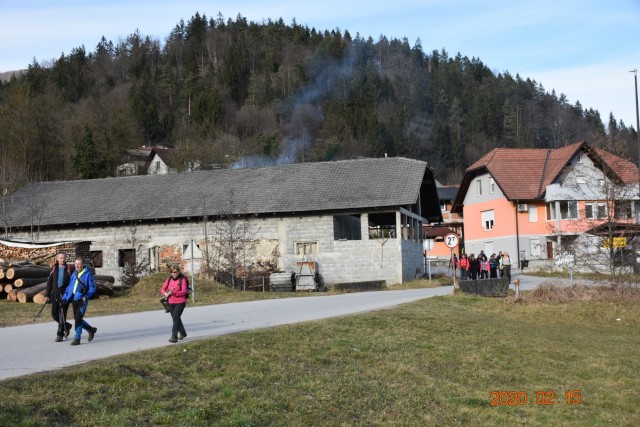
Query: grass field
point(432, 362)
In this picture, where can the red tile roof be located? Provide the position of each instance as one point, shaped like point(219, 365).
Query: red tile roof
point(524, 173)
point(625, 170)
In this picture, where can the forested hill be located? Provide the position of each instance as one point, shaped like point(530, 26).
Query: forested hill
point(221, 91)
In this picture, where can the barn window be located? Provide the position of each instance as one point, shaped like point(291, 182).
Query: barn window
point(382, 225)
point(126, 257)
point(347, 227)
point(306, 248)
point(96, 258)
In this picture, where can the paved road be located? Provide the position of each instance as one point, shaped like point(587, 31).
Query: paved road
point(29, 349)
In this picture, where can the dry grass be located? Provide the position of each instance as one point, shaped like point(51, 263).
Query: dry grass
point(556, 293)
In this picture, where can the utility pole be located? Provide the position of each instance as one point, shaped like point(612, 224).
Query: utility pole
point(635, 245)
point(635, 78)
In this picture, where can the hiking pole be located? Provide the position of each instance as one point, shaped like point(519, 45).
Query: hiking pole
point(39, 312)
point(61, 319)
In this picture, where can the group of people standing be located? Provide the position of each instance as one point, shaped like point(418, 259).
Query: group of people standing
point(483, 267)
point(76, 285)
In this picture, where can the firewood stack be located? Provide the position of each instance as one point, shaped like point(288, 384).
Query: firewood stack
point(22, 280)
point(25, 280)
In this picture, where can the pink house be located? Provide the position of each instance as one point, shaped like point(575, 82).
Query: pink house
point(452, 223)
point(534, 203)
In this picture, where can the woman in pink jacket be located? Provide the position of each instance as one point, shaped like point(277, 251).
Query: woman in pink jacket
point(175, 291)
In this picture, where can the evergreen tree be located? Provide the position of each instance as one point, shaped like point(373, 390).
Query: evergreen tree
point(86, 160)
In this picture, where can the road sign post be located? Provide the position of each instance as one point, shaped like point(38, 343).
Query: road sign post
point(428, 245)
point(451, 240)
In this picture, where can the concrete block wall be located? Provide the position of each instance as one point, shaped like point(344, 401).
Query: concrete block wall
point(392, 260)
point(412, 260)
point(340, 261)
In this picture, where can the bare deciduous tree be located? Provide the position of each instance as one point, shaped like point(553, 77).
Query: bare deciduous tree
point(138, 265)
point(234, 245)
point(601, 209)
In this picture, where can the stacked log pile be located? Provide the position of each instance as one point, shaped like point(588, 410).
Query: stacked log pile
point(21, 279)
point(25, 281)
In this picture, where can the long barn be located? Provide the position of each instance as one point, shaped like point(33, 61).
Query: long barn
point(359, 220)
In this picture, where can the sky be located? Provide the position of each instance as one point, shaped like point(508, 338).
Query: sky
point(584, 49)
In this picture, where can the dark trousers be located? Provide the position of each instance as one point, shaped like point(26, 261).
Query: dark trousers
point(463, 274)
point(176, 312)
point(492, 273)
point(79, 308)
point(59, 314)
point(474, 273)
point(484, 274)
point(507, 272)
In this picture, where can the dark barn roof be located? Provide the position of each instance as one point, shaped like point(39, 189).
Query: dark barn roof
point(447, 193)
point(286, 189)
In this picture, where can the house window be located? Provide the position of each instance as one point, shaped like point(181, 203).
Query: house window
point(551, 211)
point(533, 213)
point(443, 206)
point(601, 182)
point(581, 180)
point(580, 158)
point(306, 248)
point(157, 166)
point(569, 209)
point(126, 257)
point(479, 187)
point(596, 210)
point(624, 209)
point(487, 220)
point(347, 227)
point(96, 258)
point(492, 185)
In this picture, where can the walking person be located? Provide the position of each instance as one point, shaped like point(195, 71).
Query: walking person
point(505, 264)
point(174, 290)
point(464, 267)
point(82, 286)
point(56, 286)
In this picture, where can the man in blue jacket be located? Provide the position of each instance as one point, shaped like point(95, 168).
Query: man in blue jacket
point(82, 286)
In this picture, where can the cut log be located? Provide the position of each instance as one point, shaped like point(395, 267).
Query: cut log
point(42, 259)
point(27, 295)
point(16, 262)
point(39, 298)
point(1, 273)
point(27, 271)
point(105, 278)
point(28, 281)
point(12, 296)
point(8, 288)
